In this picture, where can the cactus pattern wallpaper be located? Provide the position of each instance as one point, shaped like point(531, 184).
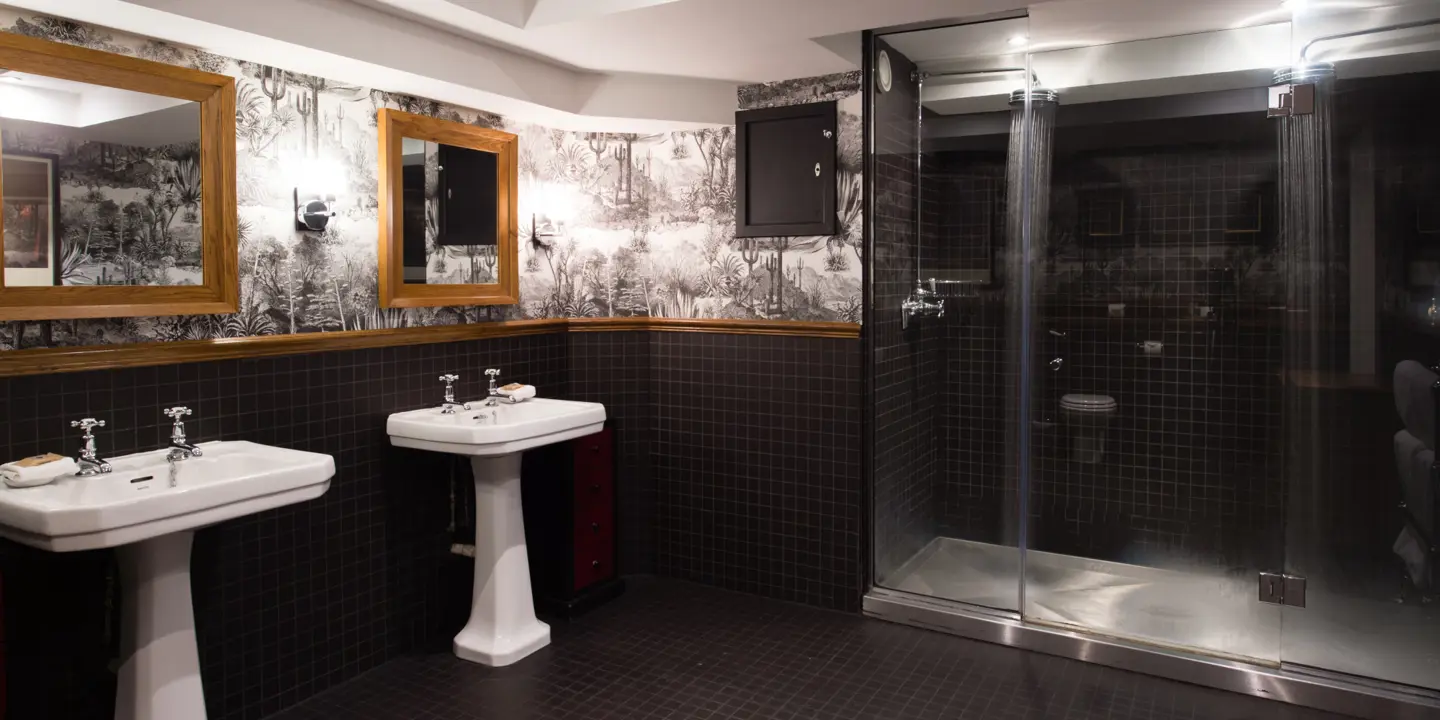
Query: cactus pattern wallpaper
point(627, 224)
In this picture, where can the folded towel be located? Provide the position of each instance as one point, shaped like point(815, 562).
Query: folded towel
point(38, 470)
point(517, 392)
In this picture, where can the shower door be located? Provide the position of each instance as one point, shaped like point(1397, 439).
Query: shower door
point(1155, 482)
point(1360, 202)
point(946, 482)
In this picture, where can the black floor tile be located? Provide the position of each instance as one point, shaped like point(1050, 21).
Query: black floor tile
point(668, 649)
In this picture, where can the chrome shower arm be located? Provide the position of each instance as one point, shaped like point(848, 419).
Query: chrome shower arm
point(1305, 49)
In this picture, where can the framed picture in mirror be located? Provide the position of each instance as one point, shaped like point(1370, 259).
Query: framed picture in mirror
point(30, 206)
point(448, 228)
point(116, 184)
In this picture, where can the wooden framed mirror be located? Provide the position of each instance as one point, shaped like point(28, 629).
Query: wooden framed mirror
point(448, 227)
point(117, 185)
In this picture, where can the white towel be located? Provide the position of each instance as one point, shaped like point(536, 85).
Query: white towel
point(21, 476)
point(516, 393)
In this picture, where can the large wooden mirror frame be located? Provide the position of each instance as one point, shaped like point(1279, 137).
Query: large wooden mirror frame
point(394, 291)
point(219, 292)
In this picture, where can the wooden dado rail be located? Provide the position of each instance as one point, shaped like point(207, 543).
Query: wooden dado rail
point(41, 361)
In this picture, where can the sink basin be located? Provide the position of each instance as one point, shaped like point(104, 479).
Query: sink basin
point(498, 430)
point(503, 628)
point(146, 496)
point(148, 509)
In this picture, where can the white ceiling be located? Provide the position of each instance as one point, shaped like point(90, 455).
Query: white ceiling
point(1157, 53)
point(614, 64)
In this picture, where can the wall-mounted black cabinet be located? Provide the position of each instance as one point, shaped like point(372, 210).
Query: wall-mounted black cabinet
point(785, 171)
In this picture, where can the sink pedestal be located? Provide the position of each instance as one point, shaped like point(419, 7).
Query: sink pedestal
point(502, 628)
point(160, 677)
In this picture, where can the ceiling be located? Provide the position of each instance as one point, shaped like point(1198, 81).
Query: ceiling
point(1225, 45)
point(602, 64)
point(95, 113)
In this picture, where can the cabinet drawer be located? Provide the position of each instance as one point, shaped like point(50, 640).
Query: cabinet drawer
point(593, 522)
point(594, 471)
point(594, 559)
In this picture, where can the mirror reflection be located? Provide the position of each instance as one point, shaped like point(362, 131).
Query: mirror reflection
point(100, 186)
point(449, 197)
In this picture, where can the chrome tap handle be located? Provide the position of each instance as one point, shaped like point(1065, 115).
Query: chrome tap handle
point(177, 431)
point(180, 448)
point(490, 400)
point(449, 380)
point(448, 407)
point(89, 456)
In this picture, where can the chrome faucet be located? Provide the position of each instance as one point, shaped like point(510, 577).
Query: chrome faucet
point(180, 449)
point(448, 407)
point(89, 458)
point(493, 398)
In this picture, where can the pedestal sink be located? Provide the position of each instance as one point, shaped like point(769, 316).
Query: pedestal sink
point(149, 508)
point(502, 627)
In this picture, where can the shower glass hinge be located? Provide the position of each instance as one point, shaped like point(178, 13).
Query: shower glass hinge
point(1281, 589)
point(1288, 100)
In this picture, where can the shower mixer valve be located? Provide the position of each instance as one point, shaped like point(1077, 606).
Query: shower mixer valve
point(922, 303)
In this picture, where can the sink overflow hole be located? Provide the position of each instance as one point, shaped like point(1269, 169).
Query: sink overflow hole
point(142, 479)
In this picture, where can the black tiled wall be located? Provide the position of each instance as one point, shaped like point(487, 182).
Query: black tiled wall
point(907, 363)
point(614, 369)
point(746, 476)
point(756, 462)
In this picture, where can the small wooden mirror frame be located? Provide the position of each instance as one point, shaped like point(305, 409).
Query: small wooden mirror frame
point(219, 224)
point(394, 292)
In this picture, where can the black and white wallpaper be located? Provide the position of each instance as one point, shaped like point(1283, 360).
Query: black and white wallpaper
point(631, 224)
point(129, 215)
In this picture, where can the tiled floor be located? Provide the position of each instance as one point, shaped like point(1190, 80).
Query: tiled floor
point(668, 649)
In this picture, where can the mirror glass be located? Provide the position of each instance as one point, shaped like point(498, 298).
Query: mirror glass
point(100, 186)
point(450, 203)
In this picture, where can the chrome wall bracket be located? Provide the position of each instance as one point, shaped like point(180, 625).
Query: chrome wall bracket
point(1280, 589)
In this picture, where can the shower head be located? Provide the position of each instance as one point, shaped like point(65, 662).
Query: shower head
point(1305, 71)
point(1039, 96)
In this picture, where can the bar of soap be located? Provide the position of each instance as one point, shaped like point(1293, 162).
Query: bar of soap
point(512, 387)
point(37, 460)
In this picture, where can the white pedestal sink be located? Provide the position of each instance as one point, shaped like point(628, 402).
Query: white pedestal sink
point(149, 509)
point(502, 627)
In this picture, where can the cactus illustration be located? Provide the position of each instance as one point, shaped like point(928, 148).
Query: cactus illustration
point(305, 107)
point(750, 253)
point(273, 83)
point(777, 284)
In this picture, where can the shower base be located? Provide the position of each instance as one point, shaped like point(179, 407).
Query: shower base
point(1189, 608)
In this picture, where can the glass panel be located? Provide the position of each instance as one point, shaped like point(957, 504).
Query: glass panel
point(101, 186)
point(1155, 478)
point(450, 196)
point(1360, 188)
point(947, 388)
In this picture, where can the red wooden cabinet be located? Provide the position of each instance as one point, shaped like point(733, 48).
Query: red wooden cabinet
point(570, 523)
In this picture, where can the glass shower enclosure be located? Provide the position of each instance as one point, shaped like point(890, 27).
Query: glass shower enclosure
point(1182, 393)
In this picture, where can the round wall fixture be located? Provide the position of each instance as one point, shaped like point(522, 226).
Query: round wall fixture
point(882, 71)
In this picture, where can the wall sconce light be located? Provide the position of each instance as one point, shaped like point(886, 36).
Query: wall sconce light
point(313, 210)
point(540, 230)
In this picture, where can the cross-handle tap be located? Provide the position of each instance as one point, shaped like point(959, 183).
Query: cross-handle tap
point(493, 398)
point(89, 458)
point(180, 448)
point(448, 407)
